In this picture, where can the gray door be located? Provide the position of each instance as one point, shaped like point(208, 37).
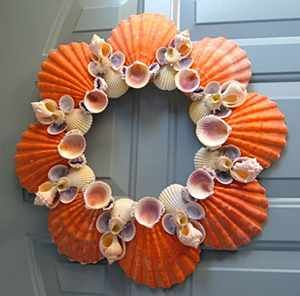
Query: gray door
point(146, 141)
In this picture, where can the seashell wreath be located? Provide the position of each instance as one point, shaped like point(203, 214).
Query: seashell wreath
point(156, 241)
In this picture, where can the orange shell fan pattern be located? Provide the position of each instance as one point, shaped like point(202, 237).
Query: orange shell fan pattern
point(64, 72)
point(141, 35)
point(220, 59)
point(157, 259)
point(258, 129)
point(72, 228)
point(36, 154)
point(235, 214)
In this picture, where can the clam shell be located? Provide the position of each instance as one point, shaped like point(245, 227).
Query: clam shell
point(64, 72)
point(79, 119)
point(66, 103)
point(194, 210)
point(212, 131)
point(137, 75)
point(165, 78)
point(117, 60)
point(97, 195)
point(172, 197)
point(36, 153)
point(111, 247)
point(219, 59)
point(95, 101)
point(73, 230)
point(258, 129)
point(187, 80)
point(68, 195)
point(148, 211)
point(58, 171)
point(128, 232)
point(169, 224)
point(235, 214)
point(141, 35)
point(102, 223)
point(200, 184)
point(157, 259)
point(205, 158)
point(80, 177)
point(72, 145)
point(116, 85)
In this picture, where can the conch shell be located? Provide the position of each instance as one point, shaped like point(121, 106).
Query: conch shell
point(190, 236)
point(45, 111)
point(111, 247)
point(245, 169)
point(46, 195)
point(122, 212)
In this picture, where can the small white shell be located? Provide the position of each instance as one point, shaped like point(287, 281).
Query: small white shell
point(97, 195)
point(197, 110)
point(45, 110)
point(245, 169)
point(95, 101)
point(172, 197)
point(190, 235)
point(123, 210)
point(46, 195)
point(137, 75)
point(148, 211)
point(72, 145)
point(80, 177)
point(187, 80)
point(172, 55)
point(205, 158)
point(79, 119)
point(234, 94)
point(212, 131)
point(165, 78)
point(111, 247)
point(200, 184)
point(95, 44)
point(116, 85)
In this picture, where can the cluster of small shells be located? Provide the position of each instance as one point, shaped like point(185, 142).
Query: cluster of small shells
point(177, 206)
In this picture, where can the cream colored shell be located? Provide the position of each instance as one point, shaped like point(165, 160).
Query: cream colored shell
point(79, 119)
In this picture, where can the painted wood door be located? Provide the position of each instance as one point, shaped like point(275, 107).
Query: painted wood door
point(145, 141)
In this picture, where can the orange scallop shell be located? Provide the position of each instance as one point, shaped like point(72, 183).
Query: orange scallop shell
point(65, 72)
point(235, 214)
point(36, 153)
point(73, 230)
point(141, 35)
point(157, 259)
point(220, 59)
point(258, 129)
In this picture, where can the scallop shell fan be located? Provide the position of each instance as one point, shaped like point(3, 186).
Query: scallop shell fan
point(36, 154)
point(258, 129)
point(157, 259)
point(234, 214)
point(64, 72)
point(141, 35)
point(220, 59)
point(73, 230)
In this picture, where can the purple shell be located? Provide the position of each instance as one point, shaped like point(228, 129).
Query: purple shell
point(67, 196)
point(194, 210)
point(128, 232)
point(56, 128)
point(169, 224)
point(224, 177)
point(58, 171)
point(102, 223)
point(231, 151)
point(223, 112)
